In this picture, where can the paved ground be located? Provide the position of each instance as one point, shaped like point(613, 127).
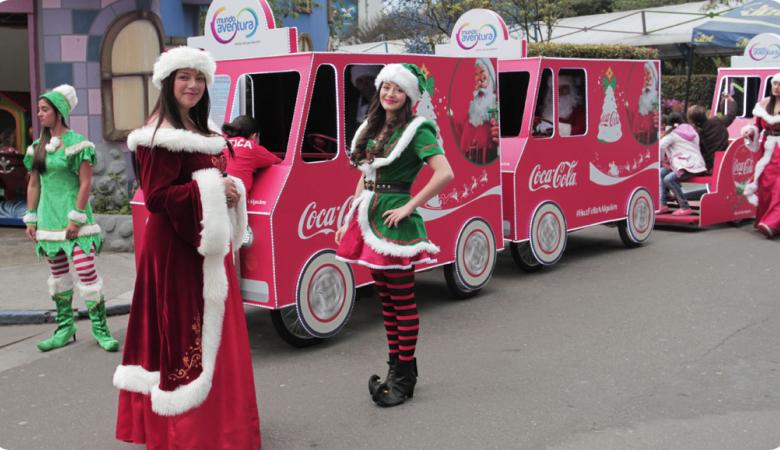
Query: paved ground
point(669, 346)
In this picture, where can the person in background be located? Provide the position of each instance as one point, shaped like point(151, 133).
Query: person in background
point(59, 218)
point(248, 155)
point(680, 160)
point(713, 131)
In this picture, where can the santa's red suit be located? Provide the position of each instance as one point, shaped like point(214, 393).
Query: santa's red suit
point(767, 176)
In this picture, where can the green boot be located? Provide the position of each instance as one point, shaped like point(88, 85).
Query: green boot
point(66, 329)
point(97, 314)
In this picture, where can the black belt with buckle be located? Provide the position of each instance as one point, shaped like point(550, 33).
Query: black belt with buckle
point(773, 132)
point(395, 187)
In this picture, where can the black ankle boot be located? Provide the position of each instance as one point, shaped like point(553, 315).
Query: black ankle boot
point(400, 387)
point(374, 382)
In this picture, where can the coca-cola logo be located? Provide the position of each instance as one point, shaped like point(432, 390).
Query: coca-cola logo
point(314, 220)
point(743, 169)
point(560, 177)
point(610, 119)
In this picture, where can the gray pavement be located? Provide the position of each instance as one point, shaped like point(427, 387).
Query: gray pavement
point(670, 346)
point(24, 298)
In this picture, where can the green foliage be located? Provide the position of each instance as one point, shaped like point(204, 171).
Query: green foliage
point(702, 88)
point(591, 51)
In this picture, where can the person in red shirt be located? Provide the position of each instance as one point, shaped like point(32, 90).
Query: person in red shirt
point(248, 156)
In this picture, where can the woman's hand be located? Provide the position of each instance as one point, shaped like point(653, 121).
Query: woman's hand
point(394, 216)
point(71, 231)
point(231, 192)
point(30, 231)
point(340, 234)
point(748, 134)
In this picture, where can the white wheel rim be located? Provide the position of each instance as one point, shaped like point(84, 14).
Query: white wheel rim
point(475, 254)
point(548, 234)
point(326, 292)
point(641, 216)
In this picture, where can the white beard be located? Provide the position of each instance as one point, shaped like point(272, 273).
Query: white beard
point(647, 101)
point(566, 106)
point(479, 106)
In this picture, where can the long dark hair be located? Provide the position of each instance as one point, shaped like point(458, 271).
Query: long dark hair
point(242, 126)
point(376, 120)
point(770, 107)
point(39, 153)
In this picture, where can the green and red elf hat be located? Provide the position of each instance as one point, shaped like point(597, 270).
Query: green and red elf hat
point(64, 99)
point(408, 76)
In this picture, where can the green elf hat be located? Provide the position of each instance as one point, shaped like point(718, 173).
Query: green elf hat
point(408, 76)
point(63, 97)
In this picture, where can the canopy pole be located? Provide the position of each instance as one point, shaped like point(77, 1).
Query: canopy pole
point(688, 80)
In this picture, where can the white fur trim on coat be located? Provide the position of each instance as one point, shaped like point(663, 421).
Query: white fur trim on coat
point(59, 236)
point(30, 217)
point(135, 379)
point(214, 242)
point(75, 148)
point(238, 215)
point(752, 144)
point(380, 245)
point(401, 76)
point(761, 112)
point(92, 292)
point(79, 218)
point(183, 57)
point(59, 284)
point(175, 140)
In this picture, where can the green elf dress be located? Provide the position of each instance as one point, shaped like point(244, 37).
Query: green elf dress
point(387, 181)
point(59, 189)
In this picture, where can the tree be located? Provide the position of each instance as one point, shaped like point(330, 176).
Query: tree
point(531, 15)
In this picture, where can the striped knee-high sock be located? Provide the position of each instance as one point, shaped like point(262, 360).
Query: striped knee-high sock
point(84, 263)
point(58, 266)
point(388, 312)
point(400, 284)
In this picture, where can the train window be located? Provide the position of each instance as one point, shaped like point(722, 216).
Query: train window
point(545, 109)
point(270, 99)
point(358, 91)
point(513, 92)
point(752, 94)
point(320, 139)
point(735, 87)
point(572, 102)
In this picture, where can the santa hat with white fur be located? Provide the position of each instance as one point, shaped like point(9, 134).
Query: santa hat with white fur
point(64, 99)
point(408, 76)
point(183, 58)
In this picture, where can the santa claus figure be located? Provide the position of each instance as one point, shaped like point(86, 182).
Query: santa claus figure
point(644, 125)
point(571, 107)
point(476, 139)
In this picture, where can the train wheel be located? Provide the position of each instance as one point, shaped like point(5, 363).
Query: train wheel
point(524, 257)
point(548, 234)
point(475, 260)
point(288, 326)
point(325, 295)
point(640, 219)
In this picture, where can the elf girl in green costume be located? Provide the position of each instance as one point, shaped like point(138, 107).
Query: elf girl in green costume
point(383, 230)
point(59, 219)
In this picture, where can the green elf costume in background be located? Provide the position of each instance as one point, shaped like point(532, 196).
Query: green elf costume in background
point(59, 187)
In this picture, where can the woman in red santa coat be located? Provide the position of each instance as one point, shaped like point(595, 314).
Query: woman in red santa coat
point(186, 375)
point(766, 178)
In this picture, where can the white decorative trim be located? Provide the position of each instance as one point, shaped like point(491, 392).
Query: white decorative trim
point(30, 150)
point(59, 284)
point(359, 131)
point(30, 218)
point(382, 246)
point(75, 148)
point(215, 235)
point(175, 140)
point(369, 169)
point(69, 93)
point(183, 57)
point(387, 267)
point(401, 76)
point(52, 145)
point(135, 379)
point(79, 218)
point(751, 144)
point(238, 215)
point(59, 236)
point(92, 292)
point(760, 112)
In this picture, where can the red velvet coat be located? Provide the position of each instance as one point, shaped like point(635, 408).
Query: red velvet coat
point(186, 375)
point(768, 208)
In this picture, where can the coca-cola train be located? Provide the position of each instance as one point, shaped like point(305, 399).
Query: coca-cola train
point(530, 164)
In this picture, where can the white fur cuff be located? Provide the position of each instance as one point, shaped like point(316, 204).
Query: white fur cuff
point(60, 284)
point(238, 215)
point(135, 379)
point(79, 218)
point(30, 218)
point(92, 292)
point(752, 143)
point(215, 235)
